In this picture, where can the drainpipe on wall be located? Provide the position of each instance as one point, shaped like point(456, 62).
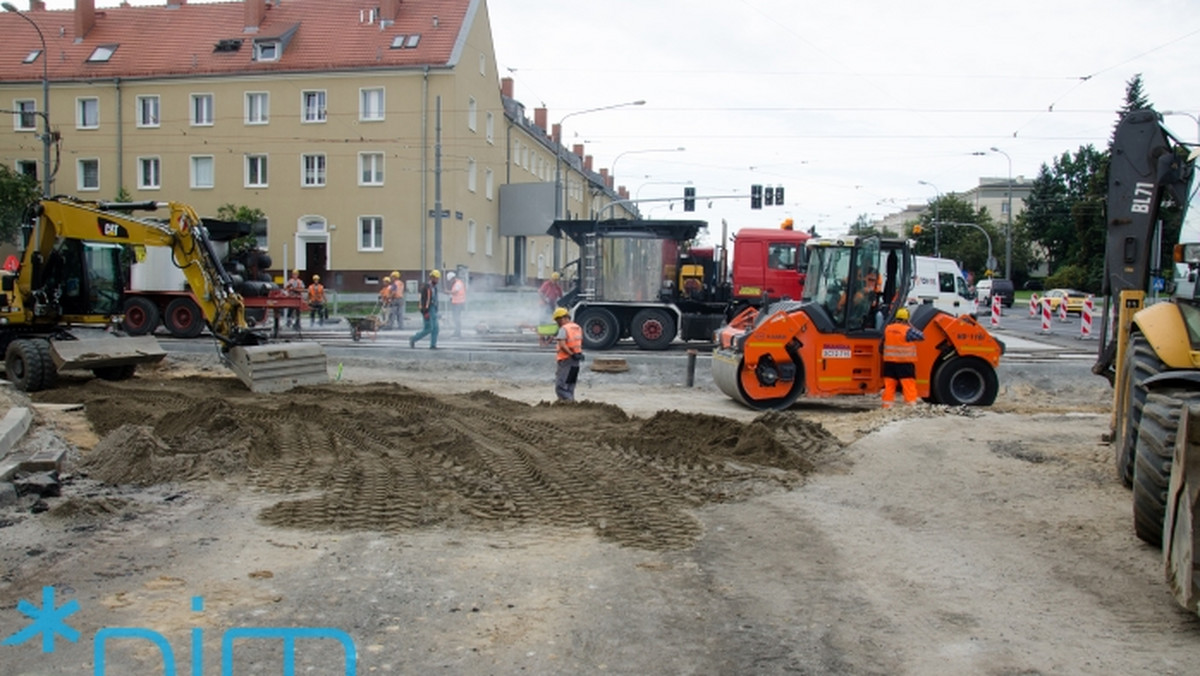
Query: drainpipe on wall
point(424, 221)
point(120, 139)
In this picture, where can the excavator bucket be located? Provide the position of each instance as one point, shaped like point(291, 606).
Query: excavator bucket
point(278, 367)
point(105, 351)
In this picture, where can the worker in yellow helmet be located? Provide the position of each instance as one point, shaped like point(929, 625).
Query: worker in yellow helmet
point(569, 356)
point(316, 301)
point(900, 359)
point(294, 287)
point(429, 311)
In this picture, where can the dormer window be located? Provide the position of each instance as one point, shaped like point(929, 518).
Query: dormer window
point(102, 53)
point(32, 56)
point(266, 51)
point(406, 41)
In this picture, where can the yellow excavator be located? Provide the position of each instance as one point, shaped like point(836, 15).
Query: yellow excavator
point(71, 276)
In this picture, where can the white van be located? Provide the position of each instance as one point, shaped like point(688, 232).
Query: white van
point(940, 283)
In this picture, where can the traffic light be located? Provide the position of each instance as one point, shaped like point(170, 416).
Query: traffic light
point(768, 196)
point(689, 199)
point(756, 197)
point(778, 195)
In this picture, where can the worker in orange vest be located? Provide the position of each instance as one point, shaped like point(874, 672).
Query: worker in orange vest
point(396, 310)
point(569, 357)
point(316, 301)
point(294, 286)
point(385, 301)
point(900, 359)
point(458, 301)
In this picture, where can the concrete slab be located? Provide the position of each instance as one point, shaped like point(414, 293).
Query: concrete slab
point(13, 426)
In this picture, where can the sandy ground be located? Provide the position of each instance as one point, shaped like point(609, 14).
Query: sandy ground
point(444, 516)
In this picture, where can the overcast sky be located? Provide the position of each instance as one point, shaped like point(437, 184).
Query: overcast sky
point(846, 104)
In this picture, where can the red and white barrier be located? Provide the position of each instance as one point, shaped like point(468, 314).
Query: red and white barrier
point(995, 312)
point(1085, 319)
point(1046, 316)
point(1033, 307)
point(1062, 310)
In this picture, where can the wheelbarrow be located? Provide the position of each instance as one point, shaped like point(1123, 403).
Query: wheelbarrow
point(359, 325)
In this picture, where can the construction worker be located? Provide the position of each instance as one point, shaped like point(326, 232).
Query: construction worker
point(458, 300)
point(550, 292)
point(570, 355)
point(316, 301)
point(900, 359)
point(385, 301)
point(429, 311)
point(294, 286)
point(396, 314)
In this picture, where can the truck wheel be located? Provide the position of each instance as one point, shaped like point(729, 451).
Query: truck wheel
point(141, 316)
point(1181, 526)
point(28, 366)
point(115, 372)
point(965, 381)
point(1140, 363)
point(653, 329)
point(1152, 464)
point(183, 318)
point(600, 328)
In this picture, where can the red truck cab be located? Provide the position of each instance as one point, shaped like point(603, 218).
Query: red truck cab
point(768, 261)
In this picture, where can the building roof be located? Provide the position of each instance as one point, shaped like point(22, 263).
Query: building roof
point(192, 40)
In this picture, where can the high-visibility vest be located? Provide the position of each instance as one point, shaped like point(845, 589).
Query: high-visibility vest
point(385, 294)
point(458, 292)
point(574, 341)
point(316, 293)
point(896, 346)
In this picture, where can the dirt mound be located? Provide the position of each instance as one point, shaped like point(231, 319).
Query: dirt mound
point(384, 457)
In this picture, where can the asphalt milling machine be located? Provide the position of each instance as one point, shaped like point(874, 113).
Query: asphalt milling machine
point(830, 342)
point(72, 275)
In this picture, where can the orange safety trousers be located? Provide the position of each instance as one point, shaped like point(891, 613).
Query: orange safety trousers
point(908, 385)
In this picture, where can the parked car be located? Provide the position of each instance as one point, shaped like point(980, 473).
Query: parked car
point(985, 289)
point(1074, 299)
point(1033, 285)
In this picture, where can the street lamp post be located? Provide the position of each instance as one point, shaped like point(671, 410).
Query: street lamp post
point(645, 150)
point(937, 247)
point(1008, 228)
point(1183, 112)
point(559, 199)
point(9, 7)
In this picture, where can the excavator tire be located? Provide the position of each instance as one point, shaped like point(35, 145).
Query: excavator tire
point(1140, 363)
point(1181, 527)
point(601, 330)
point(28, 366)
point(653, 329)
point(183, 318)
point(141, 316)
point(1152, 465)
point(965, 381)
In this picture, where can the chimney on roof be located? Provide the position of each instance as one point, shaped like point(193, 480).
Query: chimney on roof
point(539, 118)
point(577, 149)
point(37, 5)
point(587, 162)
point(556, 133)
point(85, 18)
point(176, 3)
point(255, 12)
point(506, 87)
point(606, 178)
point(389, 10)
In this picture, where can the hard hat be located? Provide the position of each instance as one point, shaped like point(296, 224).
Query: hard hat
point(316, 278)
point(560, 312)
point(554, 275)
point(395, 274)
point(902, 313)
point(435, 273)
point(449, 276)
point(386, 278)
point(296, 271)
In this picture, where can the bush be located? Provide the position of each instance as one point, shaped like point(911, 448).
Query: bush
point(1069, 277)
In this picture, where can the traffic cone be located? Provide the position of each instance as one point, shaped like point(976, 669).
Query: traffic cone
point(995, 312)
point(1046, 316)
point(1033, 307)
point(1062, 310)
point(1085, 319)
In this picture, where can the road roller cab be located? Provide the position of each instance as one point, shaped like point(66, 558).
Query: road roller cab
point(830, 343)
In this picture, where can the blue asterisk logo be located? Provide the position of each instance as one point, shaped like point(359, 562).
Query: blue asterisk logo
point(47, 621)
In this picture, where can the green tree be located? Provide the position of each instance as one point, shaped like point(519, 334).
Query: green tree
point(242, 214)
point(962, 243)
point(17, 192)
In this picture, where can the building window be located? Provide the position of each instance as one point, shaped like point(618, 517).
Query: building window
point(266, 51)
point(471, 174)
point(490, 127)
point(258, 108)
point(259, 230)
point(28, 168)
point(487, 240)
point(149, 173)
point(370, 104)
point(87, 113)
point(370, 233)
point(472, 111)
point(88, 174)
point(25, 115)
point(370, 168)
point(313, 167)
point(147, 111)
point(102, 53)
point(201, 114)
point(202, 171)
point(489, 182)
point(470, 236)
point(314, 106)
point(256, 171)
